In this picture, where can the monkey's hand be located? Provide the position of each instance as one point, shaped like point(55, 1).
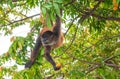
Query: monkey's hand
point(57, 67)
point(28, 64)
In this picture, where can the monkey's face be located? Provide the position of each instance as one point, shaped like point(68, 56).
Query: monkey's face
point(48, 38)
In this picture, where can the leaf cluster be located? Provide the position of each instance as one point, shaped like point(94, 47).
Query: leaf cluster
point(92, 39)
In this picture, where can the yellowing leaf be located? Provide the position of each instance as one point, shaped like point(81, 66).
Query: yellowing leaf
point(91, 6)
point(12, 38)
point(115, 5)
point(42, 20)
point(1, 68)
point(7, 54)
point(20, 45)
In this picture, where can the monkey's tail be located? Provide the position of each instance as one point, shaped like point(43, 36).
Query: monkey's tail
point(34, 53)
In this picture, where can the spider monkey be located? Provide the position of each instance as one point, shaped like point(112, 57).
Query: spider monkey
point(49, 39)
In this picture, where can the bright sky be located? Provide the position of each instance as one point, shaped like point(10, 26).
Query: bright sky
point(5, 40)
point(20, 31)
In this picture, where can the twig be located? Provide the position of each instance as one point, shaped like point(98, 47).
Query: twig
point(70, 3)
point(49, 77)
point(95, 66)
point(23, 19)
point(71, 25)
point(92, 68)
point(107, 59)
point(105, 18)
point(100, 41)
point(83, 61)
point(74, 36)
point(113, 65)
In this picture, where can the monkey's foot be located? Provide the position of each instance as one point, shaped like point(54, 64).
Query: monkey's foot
point(57, 67)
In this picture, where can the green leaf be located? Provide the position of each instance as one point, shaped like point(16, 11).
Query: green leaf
point(77, 73)
point(43, 11)
point(48, 6)
point(58, 1)
point(52, 17)
point(48, 22)
point(57, 9)
point(42, 52)
point(26, 75)
point(11, 4)
point(118, 1)
point(20, 45)
point(14, 46)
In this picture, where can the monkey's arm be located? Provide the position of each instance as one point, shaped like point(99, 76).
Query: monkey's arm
point(57, 27)
point(34, 53)
point(49, 58)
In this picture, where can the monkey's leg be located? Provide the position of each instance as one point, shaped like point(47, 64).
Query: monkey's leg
point(34, 53)
point(49, 58)
point(32, 59)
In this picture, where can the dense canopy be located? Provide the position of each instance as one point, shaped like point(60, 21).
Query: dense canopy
point(91, 48)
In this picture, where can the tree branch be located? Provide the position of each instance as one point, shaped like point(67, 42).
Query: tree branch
point(70, 25)
point(97, 15)
point(23, 19)
point(107, 59)
point(113, 65)
point(70, 3)
point(74, 36)
point(87, 14)
point(95, 66)
point(82, 19)
point(100, 41)
point(105, 18)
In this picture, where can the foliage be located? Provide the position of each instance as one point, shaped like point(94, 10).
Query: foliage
point(92, 39)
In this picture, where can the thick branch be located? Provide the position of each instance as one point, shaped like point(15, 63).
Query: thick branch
point(105, 18)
